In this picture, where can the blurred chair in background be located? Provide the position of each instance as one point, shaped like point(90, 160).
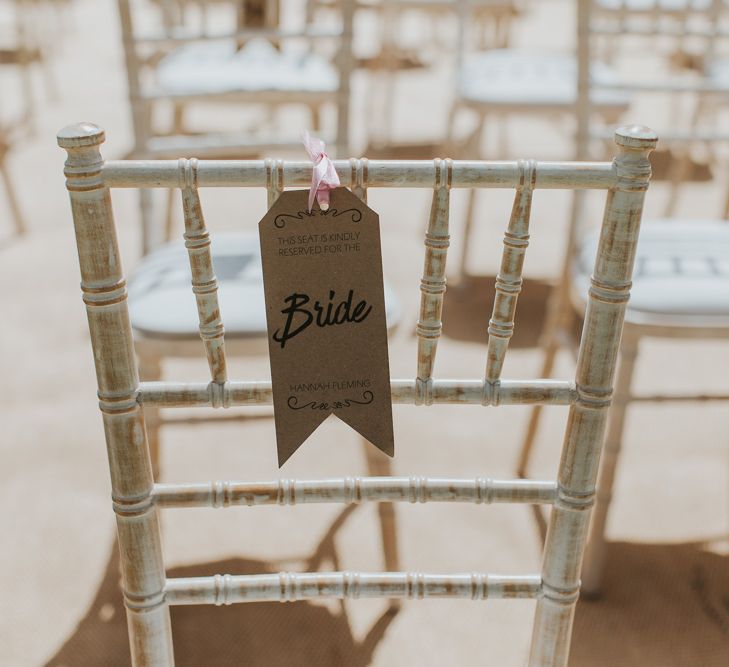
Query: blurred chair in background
point(206, 54)
point(439, 37)
point(124, 401)
point(681, 281)
point(498, 84)
point(6, 134)
point(26, 40)
point(28, 36)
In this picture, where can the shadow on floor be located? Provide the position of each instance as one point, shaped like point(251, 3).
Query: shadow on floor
point(297, 634)
point(468, 303)
point(663, 605)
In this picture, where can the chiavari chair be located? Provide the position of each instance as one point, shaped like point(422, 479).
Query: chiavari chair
point(216, 57)
point(123, 400)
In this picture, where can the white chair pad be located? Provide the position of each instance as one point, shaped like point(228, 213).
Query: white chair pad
point(162, 304)
point(650, 5)
point(681, 268)
point(510, 77)
point(217, 67)
point(717, 71)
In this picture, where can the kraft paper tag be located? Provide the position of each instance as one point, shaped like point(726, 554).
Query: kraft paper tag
point(325, 309)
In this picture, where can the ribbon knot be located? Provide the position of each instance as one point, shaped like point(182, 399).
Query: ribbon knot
point(323, 176)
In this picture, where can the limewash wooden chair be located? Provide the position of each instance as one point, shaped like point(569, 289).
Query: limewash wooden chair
point(123, 400)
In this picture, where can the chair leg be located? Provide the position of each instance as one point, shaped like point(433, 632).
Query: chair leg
point(17, 215)
point(594, 561)
point(150, 369)
point(379, 465)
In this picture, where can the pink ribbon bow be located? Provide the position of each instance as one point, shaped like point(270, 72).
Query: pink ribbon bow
point(323, 177)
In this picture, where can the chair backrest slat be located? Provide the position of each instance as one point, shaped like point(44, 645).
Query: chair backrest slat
point(204, 282)
point(508, 280)
point(433, 283)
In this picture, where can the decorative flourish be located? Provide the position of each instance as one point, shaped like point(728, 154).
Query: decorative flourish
point(355, 212)
point(281, 219)
point(367, 398)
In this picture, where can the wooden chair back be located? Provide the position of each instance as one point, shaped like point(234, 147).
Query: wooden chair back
point(137, 499)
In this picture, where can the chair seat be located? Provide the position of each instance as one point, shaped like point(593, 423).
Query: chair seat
point(514, 78)
point(162, 305)
point(681, 269)
point(717, 72)
point(219, 67)
point(653, 5)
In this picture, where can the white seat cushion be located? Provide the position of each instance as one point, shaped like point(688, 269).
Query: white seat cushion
point(510, 77)
point(162, 304)
point(681, 268)
point(717, 71)
point(218, 67)
point(650, 5)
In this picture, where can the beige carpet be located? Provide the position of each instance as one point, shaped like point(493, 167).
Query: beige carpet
point(664, 605)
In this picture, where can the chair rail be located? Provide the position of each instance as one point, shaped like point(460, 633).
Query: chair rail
point(354, 490)
point(228, 589)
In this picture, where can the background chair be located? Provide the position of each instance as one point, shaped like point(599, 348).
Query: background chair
point(495, 85)
point(680, 285)
point(11, 198)
point(211, 57)
point(24, 47)
point(137, 498)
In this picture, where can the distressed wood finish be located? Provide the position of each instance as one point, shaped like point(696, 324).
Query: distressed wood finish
point(6, 139)
point(104, 293)
point(465, 392)
point(204, 282)
point(380, 174)
point(508, 280)
point(136, 497)
point(292, 586)
point(433, 284)
point(596, 363)
point(354, 490)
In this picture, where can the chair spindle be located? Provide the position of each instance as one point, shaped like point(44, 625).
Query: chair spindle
point(509, 280)
point(204, 282)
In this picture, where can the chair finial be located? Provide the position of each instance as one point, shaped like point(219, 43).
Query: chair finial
point(80, 135)
point(636, 136)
